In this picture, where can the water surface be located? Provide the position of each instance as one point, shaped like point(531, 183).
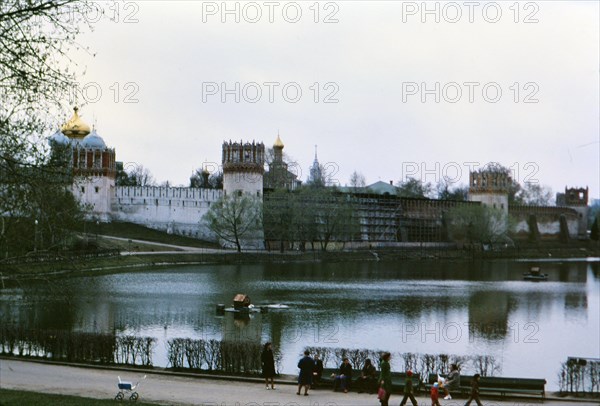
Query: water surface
point(461, 308)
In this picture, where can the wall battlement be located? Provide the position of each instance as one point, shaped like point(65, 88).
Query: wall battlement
point(184, 193)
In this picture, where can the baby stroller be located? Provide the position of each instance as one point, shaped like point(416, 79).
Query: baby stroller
point(127, 388)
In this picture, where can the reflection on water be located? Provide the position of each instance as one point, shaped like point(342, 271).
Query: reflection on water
point(442, 307)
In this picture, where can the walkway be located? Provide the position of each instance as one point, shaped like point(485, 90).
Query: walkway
point(175, 390)
point(174, 249)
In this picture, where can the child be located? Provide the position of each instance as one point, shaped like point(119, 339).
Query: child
point(435, 394)
point(474, 391)
point(408, 390)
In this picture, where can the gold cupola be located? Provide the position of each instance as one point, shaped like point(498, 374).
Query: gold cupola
point(278, 143)
point(75, 127)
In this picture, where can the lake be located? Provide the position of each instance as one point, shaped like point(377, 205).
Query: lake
point(461, 308)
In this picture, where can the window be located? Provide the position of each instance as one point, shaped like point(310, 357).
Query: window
point(96, 189)
point(83, 189)
point(239, 193)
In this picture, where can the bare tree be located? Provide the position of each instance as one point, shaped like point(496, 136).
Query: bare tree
point(445, 191)
point(234, 218)
point(134, 175)
point(357, 180)
point(412, 187)
point(36, 73)
point(535, 194)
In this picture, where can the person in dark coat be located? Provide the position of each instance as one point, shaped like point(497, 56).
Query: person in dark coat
point(306, 366)
point(408, 390)
point(474, 391)
point(344, 378)
point(318, 371)
point(368, 378)
point(385, 378)
point(452, 381)
point(268, 365)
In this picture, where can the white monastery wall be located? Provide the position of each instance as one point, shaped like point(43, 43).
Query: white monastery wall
point(171, 209)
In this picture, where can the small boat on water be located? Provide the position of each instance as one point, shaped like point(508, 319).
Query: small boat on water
point(243, 305)
point(535, 274)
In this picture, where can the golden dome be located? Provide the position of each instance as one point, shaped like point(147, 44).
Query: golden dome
point(75, 127)
point(278, 143)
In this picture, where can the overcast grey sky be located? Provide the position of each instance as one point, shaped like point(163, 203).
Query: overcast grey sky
point(380, 66)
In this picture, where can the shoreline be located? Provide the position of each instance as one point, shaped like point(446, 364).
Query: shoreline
point(142, 261)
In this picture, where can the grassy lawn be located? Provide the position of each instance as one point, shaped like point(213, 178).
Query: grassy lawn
point(23, 398)
point(138, 232)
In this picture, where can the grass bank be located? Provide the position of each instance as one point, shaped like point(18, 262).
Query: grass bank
point(138, 232)
point(142, 263)
point(24, 398)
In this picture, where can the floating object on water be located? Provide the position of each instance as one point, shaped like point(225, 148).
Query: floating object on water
point(241, 300)
point(220, 308)
point(243, 305)
point(534, 274)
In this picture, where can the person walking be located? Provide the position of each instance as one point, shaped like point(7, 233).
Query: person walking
point(408, 390)
point(306, 366)
point(474, 391)
point(452, 381)
point(385, 378)
point(268, 365)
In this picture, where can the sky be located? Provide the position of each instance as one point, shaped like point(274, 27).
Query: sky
point(390, 89)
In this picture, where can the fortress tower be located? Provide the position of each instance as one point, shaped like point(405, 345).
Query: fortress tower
point(490, 187)
point(94, 165)
point(576, 199)
point(243, 167)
